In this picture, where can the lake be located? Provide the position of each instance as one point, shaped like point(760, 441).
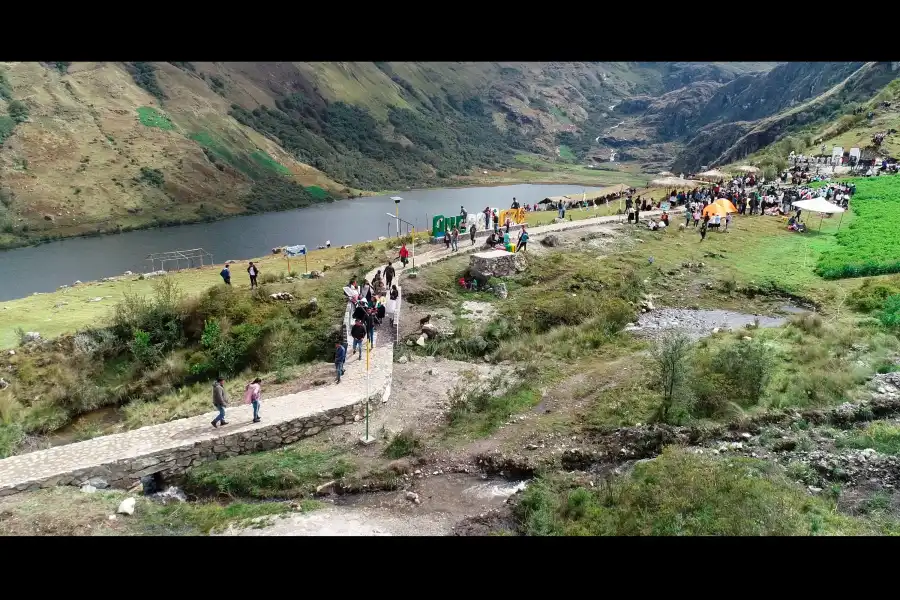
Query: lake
point(46, 267)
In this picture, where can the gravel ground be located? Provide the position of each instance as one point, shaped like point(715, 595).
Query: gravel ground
point(697, 323)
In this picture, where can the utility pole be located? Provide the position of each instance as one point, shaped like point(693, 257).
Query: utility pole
point(397, 200)
point(366, 439)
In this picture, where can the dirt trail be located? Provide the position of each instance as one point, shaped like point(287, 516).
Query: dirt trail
point(431, 507)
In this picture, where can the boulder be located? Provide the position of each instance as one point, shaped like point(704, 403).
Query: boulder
point(496, 263)
point(551, 241)
point(421, 340)
point(126, 507)
point(98, 482)
point(500, 291)
point(403, 360)
point(3, 384)
point(32, 336)
point(281, 296)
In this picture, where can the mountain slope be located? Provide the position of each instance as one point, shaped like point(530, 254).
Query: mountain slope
point(93, 147)
point(849, 85)
point(91, 150)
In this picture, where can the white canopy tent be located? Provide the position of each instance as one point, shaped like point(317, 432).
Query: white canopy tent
point(821, 206)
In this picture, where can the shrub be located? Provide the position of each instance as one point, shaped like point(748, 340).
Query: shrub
point(142, 349)
point(872, 294)
point(681, 493)
point(405, 443)
point(890, 313)
point(18, 110)
point(671, 368)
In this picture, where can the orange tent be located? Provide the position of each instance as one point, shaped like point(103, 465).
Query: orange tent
point(726, 205)
point(720, 207)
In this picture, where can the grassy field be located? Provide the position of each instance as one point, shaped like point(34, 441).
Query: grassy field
point(680, 493)
point(536, 169)
point(68, 310)
point(870, 245)
point(151, 117)
point(68, 511)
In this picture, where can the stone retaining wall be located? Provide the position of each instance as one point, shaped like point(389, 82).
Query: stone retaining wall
point(125, 473)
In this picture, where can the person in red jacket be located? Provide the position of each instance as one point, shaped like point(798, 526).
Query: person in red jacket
point(404, 254)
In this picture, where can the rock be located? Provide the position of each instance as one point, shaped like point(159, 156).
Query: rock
point(500, 291)
point(281, 296)
point(747, 338)
point(746, 436)
point(413, 497)
point(126, 507)
point(63, 287)
point(716, 330)
point(551, 241)
point(402, 360)
point(98, 299)
point(401, 466)
point(326, 488)
point(431, 330)
point(88, 489)
point(430, 371)
point(32, 336)
point(112, 517)
point(421, 340)
point(496, 263)
point(12, 352)
point(98, 482)
point(127, 273)
point(814, 490)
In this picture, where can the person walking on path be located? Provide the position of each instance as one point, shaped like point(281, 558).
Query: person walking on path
point(253, 271)
point(226, 275)
point(454, 239)
point(251, 396)
point(370, 326)
point(389, 273)
point(523, 240)
point(472, 233)
point(340, 355)
point(404, 255)
point(220, 400)
point(358, 333)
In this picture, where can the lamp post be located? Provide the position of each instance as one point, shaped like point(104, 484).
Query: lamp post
point(397, 200)
point(413, 242)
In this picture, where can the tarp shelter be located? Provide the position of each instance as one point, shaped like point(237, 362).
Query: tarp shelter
point(713, 174)
point(821, 206)
point(673, 182)
point(298, 250)
point(613, 189)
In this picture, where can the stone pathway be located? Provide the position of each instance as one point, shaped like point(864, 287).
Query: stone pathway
point(175, 446)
